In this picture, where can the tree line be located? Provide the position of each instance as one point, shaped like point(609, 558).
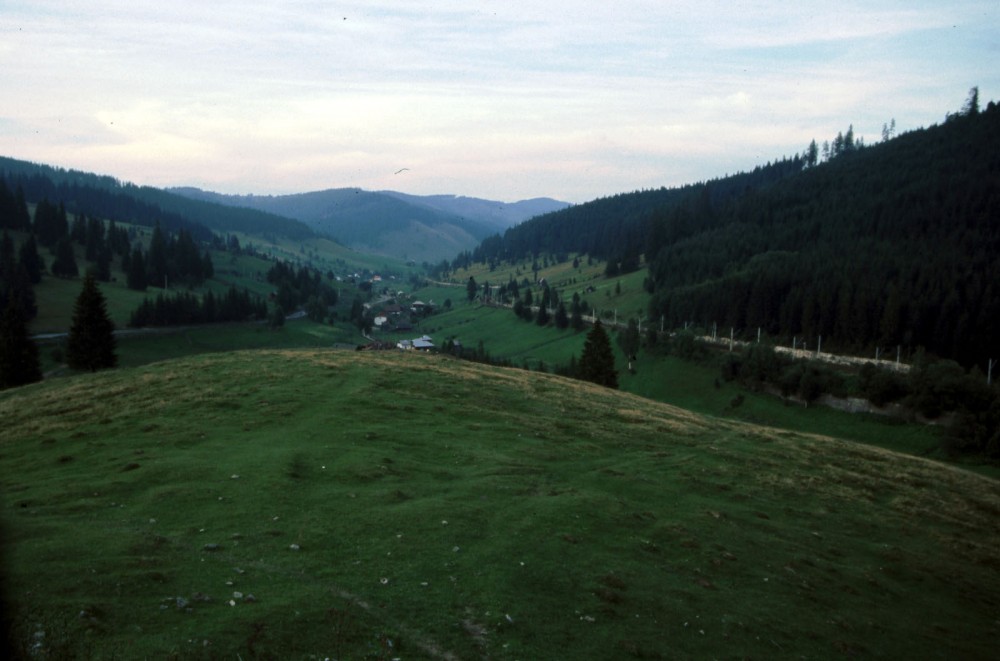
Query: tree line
point(860, 246)
point(890, 245)
point(183, 308)
point(107, 197)
point(933, 389)
point(303, 288)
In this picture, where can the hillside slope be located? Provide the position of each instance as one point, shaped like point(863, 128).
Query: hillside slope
point(343, 505)
point(888, 245)
point(106, 197)
point(404, 226)
point(496, 216)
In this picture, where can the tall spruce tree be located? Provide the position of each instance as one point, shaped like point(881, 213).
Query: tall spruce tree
point(91, 343)
point(156, 259)
point(597, 363)
point(31, 260)
point(18, 353)
point(64, 265)
point(135, 273)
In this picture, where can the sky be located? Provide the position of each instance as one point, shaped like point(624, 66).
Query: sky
point(500, 100)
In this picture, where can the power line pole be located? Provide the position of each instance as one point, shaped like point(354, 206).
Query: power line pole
point(989, 372)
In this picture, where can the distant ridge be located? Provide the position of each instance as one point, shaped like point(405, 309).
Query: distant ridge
point(419, 228)
point(499, 215)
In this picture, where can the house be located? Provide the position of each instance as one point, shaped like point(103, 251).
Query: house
point(420, 344)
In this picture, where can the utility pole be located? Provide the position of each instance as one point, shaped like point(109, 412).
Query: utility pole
point(819, 345)
point(989, 372)
point(731, 331)
point(758, 335)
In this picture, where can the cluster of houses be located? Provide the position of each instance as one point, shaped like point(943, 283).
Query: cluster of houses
point(422, 343)
point(396, 317)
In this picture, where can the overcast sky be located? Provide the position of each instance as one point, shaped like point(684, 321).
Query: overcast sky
point(502, 100)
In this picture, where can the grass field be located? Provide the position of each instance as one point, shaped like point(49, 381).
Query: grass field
point(692, 386)
point(410, 506)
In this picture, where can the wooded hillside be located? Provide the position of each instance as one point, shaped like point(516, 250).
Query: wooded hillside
point(889, 245)
point(109, 198)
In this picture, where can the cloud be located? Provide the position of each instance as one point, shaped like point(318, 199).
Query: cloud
point(514, 99)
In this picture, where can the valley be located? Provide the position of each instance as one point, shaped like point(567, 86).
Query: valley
point(252, 485)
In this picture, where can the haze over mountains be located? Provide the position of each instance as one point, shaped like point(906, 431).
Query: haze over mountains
point(419, 228)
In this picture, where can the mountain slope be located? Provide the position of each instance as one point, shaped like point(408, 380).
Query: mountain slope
point(496, 216)
point(406, 226)
point(233, 503)
point(107, 197)
point(891, 245)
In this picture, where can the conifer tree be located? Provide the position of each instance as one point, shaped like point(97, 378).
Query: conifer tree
point(64, 264)
point(562, 318)
point(8, 207)
point(576, 314)
point(135, 274)
point(597, 363)
point(91, 342)
point(7, 259)
point(30, 259)
point(18, 353)
point(156, 259)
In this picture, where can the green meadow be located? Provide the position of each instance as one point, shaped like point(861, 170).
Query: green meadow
point(315, 503)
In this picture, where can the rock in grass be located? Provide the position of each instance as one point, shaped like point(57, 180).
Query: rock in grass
point(295, 547)
point(211, 547)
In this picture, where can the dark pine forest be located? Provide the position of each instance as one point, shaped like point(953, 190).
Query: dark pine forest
point(888, 245)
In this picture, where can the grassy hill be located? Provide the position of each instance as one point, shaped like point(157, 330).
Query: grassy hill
point(410, 506)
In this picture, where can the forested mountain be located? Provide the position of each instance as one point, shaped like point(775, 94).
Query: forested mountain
point(890, 245)
point(893, 244)
point(107, 197)
point(407, 226)
point(617, 226)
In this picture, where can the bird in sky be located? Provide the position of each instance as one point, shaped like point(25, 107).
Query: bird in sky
point(401, 170)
